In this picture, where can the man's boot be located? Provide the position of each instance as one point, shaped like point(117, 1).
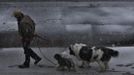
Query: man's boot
point(37, 61)
point(26, 63)
point(35, 57)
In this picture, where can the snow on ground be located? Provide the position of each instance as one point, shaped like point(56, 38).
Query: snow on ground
point(125, 61)
point(11, 57)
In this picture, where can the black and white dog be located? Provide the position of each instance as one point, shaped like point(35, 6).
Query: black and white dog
point(65, 61)
point(101, 55)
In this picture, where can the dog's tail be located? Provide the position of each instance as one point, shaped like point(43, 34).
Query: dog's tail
point(114, 53)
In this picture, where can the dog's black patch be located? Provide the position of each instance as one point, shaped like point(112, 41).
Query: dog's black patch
point(71, 51)
point(85, 53)
point(108, 53)
point(63, 61)
point(95, 57)
point(105, 57)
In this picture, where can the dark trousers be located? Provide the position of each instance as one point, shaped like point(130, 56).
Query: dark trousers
point(28, 51)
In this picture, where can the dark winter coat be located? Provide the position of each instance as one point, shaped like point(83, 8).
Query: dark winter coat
point(26, 27)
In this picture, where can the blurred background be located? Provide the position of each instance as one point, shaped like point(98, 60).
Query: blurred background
point(64, 23)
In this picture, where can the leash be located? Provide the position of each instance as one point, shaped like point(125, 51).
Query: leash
point(35, 35)
point(41, 50)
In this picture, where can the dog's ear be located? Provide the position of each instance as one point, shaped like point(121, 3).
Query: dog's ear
point(54, 56)
point(71, 51)
point(69, 48)
point(57, 56)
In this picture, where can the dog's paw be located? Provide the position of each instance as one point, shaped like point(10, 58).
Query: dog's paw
point(60, 69)
point(74, 70)
point(89, 66)
point(81, 66)
point(102, 70)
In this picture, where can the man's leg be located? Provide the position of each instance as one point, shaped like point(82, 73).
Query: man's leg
point(26, 62)
point(27, 57)
point(34, 56)
point(30, 52)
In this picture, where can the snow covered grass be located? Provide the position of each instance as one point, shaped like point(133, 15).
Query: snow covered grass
point(10, 57)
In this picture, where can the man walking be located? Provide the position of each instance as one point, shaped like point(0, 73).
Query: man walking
point(26, 29)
